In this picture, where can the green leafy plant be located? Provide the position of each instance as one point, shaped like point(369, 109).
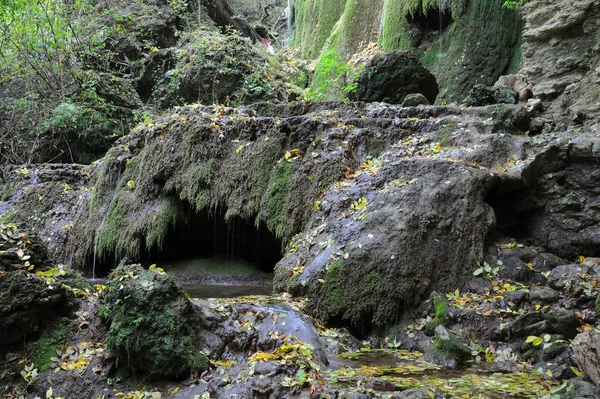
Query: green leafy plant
point(511, 5)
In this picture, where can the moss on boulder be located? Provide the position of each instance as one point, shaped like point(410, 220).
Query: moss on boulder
point(448, 348)
point(151, 323)
point(390, 77)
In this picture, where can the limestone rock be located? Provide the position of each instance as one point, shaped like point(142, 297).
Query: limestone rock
point(587, 354)
point(401, 249)
point(543, 294)
point(390, 77)
point(560, 56)
point(481, 95)
point(27, 302)
point(517, 82)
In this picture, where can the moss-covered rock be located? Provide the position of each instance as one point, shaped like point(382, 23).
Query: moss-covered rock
point(215, 68)
point(390, 77)
point(28, 302)
point(448, 348)
point(151, 323)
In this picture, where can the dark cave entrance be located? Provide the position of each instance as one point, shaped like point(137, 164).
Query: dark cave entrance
point(434, 22)
point(208, 235)
point(206, 241)
point(513, 207)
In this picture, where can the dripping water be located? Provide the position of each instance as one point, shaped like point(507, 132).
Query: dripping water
point(289, 12)
point(95, 251)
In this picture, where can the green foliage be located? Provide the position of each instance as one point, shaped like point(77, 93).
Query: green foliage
point(40, 40)
point(329, 76)
point(511, 5)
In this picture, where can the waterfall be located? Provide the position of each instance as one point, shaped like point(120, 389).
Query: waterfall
point(95, 250)
point(290, 15)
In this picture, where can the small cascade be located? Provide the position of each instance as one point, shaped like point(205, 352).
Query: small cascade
point(290, 19)
point(441, 5)
point(95, 251)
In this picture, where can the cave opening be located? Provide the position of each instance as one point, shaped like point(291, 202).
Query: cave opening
point(434, 22)
point(513, 207)
point(205, 247)
point(206, 242)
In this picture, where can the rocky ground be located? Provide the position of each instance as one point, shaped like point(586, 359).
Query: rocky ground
point(457, 246)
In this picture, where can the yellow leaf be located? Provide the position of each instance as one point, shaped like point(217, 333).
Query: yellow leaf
point(549, 373)
point(530, 266)
point(582, 259)
point(175, 390)
point(537, 307)
point(30, 268)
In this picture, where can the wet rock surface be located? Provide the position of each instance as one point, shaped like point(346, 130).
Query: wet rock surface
point(396, 202)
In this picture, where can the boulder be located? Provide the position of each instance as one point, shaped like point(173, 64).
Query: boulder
point(390, 77)
point(214, 68)
point(481, 95)
point(587, 353)
point(517, 82)
point(447, 347)
point(151, 323)
point(389, 239)
point(543, 294)
point(415, 99)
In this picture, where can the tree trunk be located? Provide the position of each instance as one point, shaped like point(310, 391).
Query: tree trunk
point(222, 14)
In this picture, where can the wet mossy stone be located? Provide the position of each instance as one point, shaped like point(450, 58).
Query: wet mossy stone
point(450, 351)
point(390, 77)
point(563, 322)
point(553, 350)
point(151, 323)
point(415, 99)
point(28, 303)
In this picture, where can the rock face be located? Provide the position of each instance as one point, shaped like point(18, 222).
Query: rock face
point(390, 77)
point(560, 56)
point(393, 233)
point(587, 354)
point(28, 302)
point(151, 323)
point(481, 95)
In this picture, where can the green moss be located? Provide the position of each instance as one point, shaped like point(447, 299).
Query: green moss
point(441, 306)
point(51, 338)
point(448, 347)
point(278, 195)
point(480, 45)
point(6, 192)
point(334, 287)
point(597, 308)
point(315, 20)
point(329, 77)
point(151, 323)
